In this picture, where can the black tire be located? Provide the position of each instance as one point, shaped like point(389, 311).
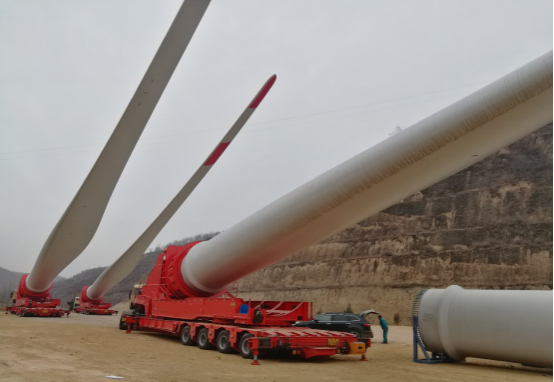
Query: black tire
point(202, 339)
point(355, 332)
point(122, 324)
point(244, 350)
point(222, 342)
point(186, 338)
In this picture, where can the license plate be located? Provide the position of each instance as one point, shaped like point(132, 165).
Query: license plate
point(333, 341)
point(45, 311)
point(123, 319)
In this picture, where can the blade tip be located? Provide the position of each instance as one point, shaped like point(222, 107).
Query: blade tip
point(261, 95)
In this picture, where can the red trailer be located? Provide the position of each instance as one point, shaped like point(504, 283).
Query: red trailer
point(28, 308)
point(102, 309)
point(93, 307)
point(226, 322)
point(24, 303)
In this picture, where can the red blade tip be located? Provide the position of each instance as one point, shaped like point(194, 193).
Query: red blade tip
point(263, 92)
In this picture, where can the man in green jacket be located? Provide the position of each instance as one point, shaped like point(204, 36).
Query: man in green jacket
point(385, 328)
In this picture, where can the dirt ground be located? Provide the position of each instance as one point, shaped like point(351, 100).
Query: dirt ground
point(88, 348)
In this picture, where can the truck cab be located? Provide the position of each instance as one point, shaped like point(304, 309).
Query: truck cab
point(74, 304)
point(133, 293)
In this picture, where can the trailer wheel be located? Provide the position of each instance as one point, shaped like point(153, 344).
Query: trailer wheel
point(186, 338)
point(222, 342)
point(202, 339)
point(244, 350)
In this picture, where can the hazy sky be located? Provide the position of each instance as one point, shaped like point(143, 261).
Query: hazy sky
point(348, 72)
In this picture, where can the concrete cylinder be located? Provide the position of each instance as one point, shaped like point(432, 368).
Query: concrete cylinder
point(503, 325)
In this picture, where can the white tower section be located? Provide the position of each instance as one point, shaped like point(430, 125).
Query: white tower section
point(506, 325)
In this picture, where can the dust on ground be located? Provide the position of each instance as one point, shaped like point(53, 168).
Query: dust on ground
point(89, 348)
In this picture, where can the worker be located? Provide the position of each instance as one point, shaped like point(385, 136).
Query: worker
point(385, 328)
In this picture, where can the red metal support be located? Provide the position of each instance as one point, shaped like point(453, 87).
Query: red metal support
point(255, 360)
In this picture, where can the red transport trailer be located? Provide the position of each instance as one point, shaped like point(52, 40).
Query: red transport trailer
point(93, 307)
point(228, 323)
point(25, 303)
point(102, 309)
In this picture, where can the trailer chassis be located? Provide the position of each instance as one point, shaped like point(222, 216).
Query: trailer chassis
point(250, 342)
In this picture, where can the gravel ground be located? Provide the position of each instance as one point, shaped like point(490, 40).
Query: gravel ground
point(89, 348)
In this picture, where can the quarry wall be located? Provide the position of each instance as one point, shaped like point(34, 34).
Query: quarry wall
point(488, 226)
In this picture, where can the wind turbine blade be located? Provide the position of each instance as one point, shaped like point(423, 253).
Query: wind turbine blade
point(80, 221)
point(127, 262)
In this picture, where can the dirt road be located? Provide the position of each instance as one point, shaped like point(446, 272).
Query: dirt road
point(86, 348)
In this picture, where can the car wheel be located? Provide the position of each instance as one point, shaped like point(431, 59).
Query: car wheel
point(355, 332)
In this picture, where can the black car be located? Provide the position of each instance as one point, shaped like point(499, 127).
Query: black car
point(340, 322)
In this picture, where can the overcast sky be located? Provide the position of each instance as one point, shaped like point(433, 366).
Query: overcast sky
point(348, 72)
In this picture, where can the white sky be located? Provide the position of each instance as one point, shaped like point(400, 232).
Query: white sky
point(348, 72)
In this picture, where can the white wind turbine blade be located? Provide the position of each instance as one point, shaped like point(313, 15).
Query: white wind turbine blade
point(80, 221)
point(438, 146)
point(127, 262)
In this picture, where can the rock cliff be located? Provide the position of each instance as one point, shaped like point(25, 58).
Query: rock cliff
point(488, 226)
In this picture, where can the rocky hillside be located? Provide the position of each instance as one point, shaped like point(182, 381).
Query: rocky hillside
point(489, 226)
